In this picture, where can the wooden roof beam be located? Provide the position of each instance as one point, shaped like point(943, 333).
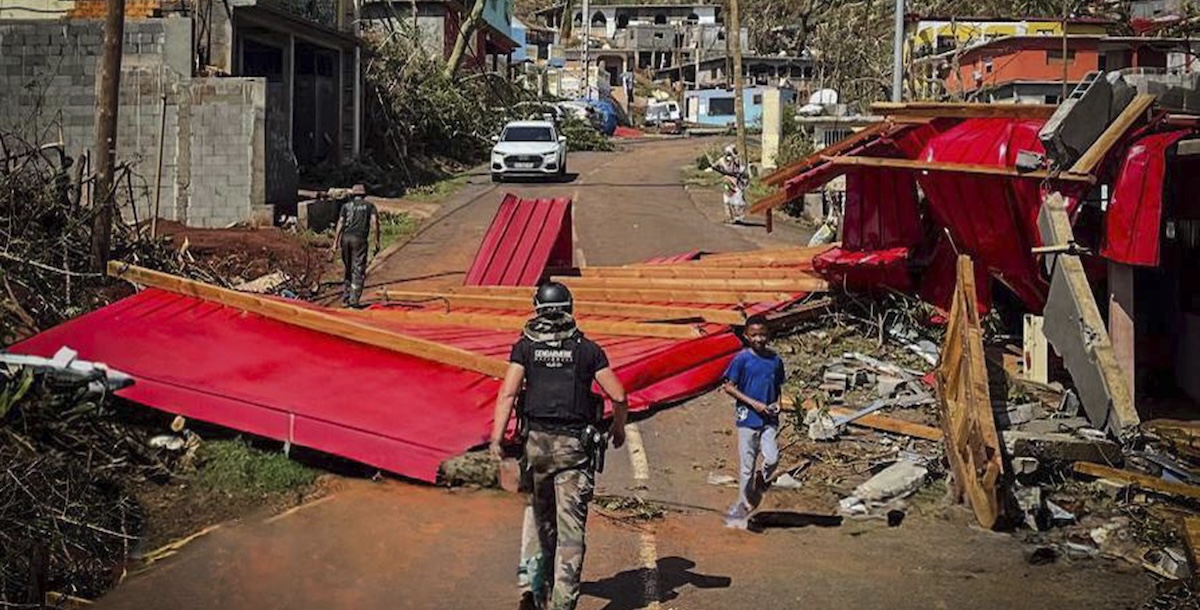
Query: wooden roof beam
point(491, 321)
point(700, 272)
point(964, 110)
point(312, 319)
point(1094, 155)
point(785, 173)
point(650, 295)
point(967, 168)
point(750, 285)
point(582, 307)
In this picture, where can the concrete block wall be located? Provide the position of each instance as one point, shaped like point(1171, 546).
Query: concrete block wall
point(227, 146)
point(213, 141)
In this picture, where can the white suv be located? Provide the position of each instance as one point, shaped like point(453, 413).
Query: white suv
point(529, 148)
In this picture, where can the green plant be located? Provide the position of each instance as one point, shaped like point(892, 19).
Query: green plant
point(582, 136)
point(394, 226)
point(235, 467)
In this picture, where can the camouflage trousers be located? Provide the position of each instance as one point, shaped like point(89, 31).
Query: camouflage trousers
point(563, 482)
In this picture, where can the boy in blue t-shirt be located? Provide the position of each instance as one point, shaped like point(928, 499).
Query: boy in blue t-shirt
point(754, 379)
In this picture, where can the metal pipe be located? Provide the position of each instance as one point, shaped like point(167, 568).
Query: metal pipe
point(898, 55)
point(586, 23)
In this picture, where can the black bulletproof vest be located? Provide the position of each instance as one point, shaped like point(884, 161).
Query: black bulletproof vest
point(555, 391)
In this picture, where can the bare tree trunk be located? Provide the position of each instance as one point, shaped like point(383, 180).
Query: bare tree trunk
point(109, 76)
point(465, 32)
point(568, 22)
point(739, 103)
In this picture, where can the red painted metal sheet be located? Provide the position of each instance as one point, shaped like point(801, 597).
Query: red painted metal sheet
point(526, 236)
point(392, 411)
point(865, 271)
point(991, 218)
point(1133, 223)
point(881, 210)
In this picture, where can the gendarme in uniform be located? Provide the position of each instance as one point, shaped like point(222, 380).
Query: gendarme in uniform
point(558, 365)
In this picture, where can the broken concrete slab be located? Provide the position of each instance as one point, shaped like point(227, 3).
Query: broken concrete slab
point(895, 481)
point(1078, 333)
point(1059, 447)
point(1079, 120)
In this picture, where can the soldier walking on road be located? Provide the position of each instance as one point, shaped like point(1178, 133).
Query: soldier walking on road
point(564, 447)
point(356, 218)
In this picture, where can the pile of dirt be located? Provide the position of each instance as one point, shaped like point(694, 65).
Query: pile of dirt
point(241, 254)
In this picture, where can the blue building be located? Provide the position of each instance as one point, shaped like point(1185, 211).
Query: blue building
point(534, 42)
point(715, 107)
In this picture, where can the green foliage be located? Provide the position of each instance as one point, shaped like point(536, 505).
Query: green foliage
point(394, 226)
point(14, 388)
point(796, 143)
point(234, 467)
point(582, 136)
point(416, 113)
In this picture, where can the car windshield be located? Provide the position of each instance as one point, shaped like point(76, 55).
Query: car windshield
point(528, 134)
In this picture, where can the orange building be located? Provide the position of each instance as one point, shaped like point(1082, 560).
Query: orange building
point(1021, 68)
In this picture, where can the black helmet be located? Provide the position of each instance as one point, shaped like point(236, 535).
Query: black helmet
point(553, 297)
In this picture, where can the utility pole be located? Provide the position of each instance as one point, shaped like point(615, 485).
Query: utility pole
point(898, 55)
point(109, 76)
point(586, 22)
point(739, 103)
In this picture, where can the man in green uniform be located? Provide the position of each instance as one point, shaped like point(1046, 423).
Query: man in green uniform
point(356, 218)
point(557, 366)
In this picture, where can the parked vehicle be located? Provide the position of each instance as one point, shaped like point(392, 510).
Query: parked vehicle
point(658, 113)
point(530, 149)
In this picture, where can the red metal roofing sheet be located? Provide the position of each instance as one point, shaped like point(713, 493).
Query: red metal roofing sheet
point(525, 237)
point(393, 411)
point(1133, 223)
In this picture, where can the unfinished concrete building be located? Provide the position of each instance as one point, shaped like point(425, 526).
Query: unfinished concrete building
point(236, 96)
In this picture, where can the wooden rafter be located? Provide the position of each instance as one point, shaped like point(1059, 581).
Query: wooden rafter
point(969, 168)
point(700, 272)
point(312, 319)
point(964, 110)
point(750, 285)
point(1094, 155)
point(785, 173)
point(582, 307)
point(647, 295)
point(492, 321)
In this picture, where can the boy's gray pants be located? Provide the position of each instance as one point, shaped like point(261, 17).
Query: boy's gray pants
point(751, 443)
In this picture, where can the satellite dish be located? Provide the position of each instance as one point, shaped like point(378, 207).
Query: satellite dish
point(823, 97)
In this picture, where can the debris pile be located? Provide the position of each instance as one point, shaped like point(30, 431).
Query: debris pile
point(66, 521)
point(875, 424)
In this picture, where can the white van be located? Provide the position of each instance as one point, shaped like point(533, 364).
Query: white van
point(658, 113)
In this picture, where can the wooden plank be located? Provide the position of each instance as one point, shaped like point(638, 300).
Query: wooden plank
point(877, 421)
point(795, 314)
point(604, 308)
point(516, 323)
point(801, 253)
point(1191, 539)
point(312, 319)
point(646, 295)
point(700, 272)
point(787, 172)
point(891, 424)
point(972, 443)
point(770, 202)
point(964, 110)
point(968, 168)
point(1094, 155)
point(752, 285)
point(1143, 481)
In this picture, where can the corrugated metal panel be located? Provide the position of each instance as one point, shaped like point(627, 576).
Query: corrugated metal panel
point(525, 237)
point(396, 412)
point(1133, 223)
